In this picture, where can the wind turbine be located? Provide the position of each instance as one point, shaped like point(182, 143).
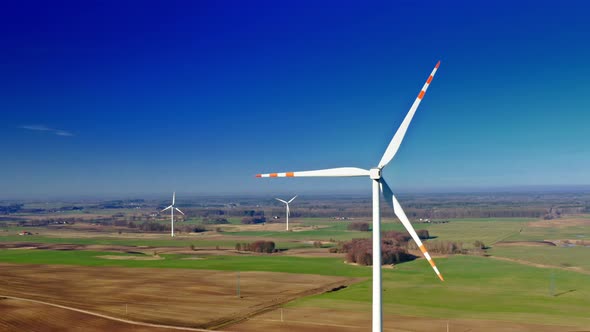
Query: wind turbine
point(287, 204)
point(379, 185)
point(172, 208)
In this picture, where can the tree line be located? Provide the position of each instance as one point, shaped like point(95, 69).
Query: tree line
point(257, 246)
point(395, 248)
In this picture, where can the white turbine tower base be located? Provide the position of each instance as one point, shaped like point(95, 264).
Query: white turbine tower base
point(287, 204)
point(172, 208)
point(379, 186)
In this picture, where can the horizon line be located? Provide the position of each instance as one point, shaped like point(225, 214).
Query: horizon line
point(518, 189)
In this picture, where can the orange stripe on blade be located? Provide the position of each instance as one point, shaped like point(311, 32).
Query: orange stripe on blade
point(437, 64)
point(273, 175)
point(421, 95)
point(429, 80)
point(258, 175)
point(431, 263)
point(290, 174)
point(422, 248)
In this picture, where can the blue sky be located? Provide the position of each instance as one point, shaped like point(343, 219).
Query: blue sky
point(199, 96)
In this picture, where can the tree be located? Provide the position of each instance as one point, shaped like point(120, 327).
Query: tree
point(253, 220)
point(479, 245)
point(358, 226)
point(258, 246)
point(423, 234)
point(360, 251)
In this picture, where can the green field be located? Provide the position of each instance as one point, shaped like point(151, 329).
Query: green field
point(488, 230)
point(577, 257)
point(124, 241)
point(467, 231)
point(546, 233)
point(474, 287)
point(270, 263)
point(325, 231)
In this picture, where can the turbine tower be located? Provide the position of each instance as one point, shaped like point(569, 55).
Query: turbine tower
point(287, 204)
point(172, 208)
point(379, 185)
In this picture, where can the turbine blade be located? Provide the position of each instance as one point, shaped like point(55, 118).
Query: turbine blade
point(280, 200)
point(177, 209)
point(401, 131)
point(330, 172)
point(292, 199)
point(173, 197)
point(399, 212)
point(288, 211)
point(166, 208)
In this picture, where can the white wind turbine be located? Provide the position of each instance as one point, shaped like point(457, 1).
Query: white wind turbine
point(172, 208)
point(287, 204)
point(379, 185)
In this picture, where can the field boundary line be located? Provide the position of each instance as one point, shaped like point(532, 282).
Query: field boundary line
point(525, 224)
point(172, 327)
point(278, 303)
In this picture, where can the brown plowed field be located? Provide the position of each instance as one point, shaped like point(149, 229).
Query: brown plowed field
point(26, 316)
point(194, 298)
point(561, 222)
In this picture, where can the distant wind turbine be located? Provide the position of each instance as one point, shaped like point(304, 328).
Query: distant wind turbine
point(287, 204)
point(172, 208)
point(379, 185)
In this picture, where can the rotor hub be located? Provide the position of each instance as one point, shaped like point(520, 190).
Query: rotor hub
point(375, 173)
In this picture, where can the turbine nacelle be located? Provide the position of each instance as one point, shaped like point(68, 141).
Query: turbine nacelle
point(375, 173)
